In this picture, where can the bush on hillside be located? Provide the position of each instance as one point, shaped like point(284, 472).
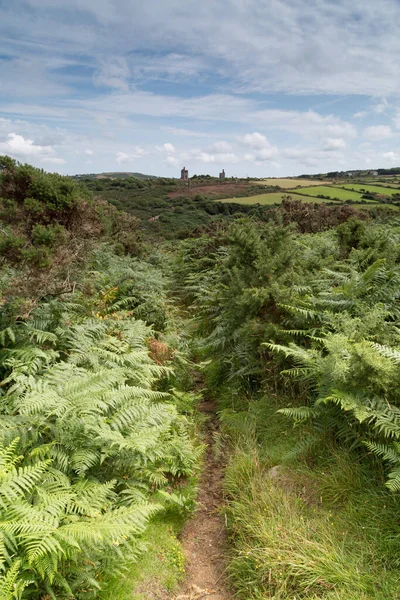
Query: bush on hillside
point(50, 223)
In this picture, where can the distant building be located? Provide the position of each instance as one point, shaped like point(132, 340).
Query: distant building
point(222, 174)
point(373, 173)
point(184, 174)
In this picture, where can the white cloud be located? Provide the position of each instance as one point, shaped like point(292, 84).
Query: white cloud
point(256, 140)
point(208, 158)
point(173, 66)
point(261, 149)
point(381, 106)
point(361, 114)
point(307, 123)
point(88, 152)
point(122, 157)
point(181, 132)
point(220, 147)
point(128, 157)
point(377, 132)
point(114, 73)
point(326, 157)
point(392, 157)
point(171, 161)
point(334, 144)
point(302, 156)
point(53, 160)
point(396, 119)
point(318, 47)
point(169, 148)
point(17, 145)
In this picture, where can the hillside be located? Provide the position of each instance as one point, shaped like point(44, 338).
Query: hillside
point(212, 411)
point(113, 175)
point(170, 208)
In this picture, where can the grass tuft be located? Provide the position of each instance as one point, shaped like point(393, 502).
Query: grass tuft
point(313, 527)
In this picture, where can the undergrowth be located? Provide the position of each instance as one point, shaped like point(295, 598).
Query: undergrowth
point(294, 313)
point(158, 570)
point(305, 518)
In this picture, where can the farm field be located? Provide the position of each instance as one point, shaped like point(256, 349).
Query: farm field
point(287, 183)
point(272, 198)
point(332, 192)
point(391, 181)
point(375, 189)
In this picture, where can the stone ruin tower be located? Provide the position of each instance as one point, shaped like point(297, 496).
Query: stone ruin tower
point(184, 174)
point(222, 175)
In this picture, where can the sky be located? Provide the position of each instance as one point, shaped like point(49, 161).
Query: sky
point(258, 87)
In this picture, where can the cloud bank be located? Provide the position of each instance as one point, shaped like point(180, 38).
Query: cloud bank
point(264, 88)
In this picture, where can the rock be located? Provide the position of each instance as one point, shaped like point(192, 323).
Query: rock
point(275, 472)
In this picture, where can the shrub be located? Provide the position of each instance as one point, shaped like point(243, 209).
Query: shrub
point(37, 257)
point(34, 207)
point(8, 209)
point(47, 235)
point(11, 246)
point(56, 192)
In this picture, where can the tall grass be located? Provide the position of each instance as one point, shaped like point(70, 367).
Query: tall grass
point(314, 527)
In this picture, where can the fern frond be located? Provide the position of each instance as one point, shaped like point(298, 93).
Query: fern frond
point(5, 334)
point(388, 453)
point(299, 414)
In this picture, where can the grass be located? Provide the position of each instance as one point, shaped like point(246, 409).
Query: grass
point(319, 528)
point(157, 571)
point(375, 189)
point(272, 198)
point(287, 183)
point(332, 192)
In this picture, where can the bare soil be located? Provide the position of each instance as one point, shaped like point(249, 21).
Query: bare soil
point(204, 537)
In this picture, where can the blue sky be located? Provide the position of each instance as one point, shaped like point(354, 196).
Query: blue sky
point(258, 87)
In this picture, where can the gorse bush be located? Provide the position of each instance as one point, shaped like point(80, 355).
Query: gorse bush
point(32, 188)
point(50, 224)
point(47, 235)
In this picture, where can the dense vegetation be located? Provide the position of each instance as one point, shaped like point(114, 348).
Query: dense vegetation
point(306, 325)
point(167, 208)
point(329, 304)
point(293, 316)
point(94, 441)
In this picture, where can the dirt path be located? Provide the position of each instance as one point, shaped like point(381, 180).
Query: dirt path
point(204, 537)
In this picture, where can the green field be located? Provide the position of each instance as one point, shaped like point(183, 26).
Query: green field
point(310, 193)
point(375, 189)
point(272, 198)
point(286, 183)
point(332, 192)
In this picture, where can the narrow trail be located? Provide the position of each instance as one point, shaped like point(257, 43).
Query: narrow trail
point(204, 537)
